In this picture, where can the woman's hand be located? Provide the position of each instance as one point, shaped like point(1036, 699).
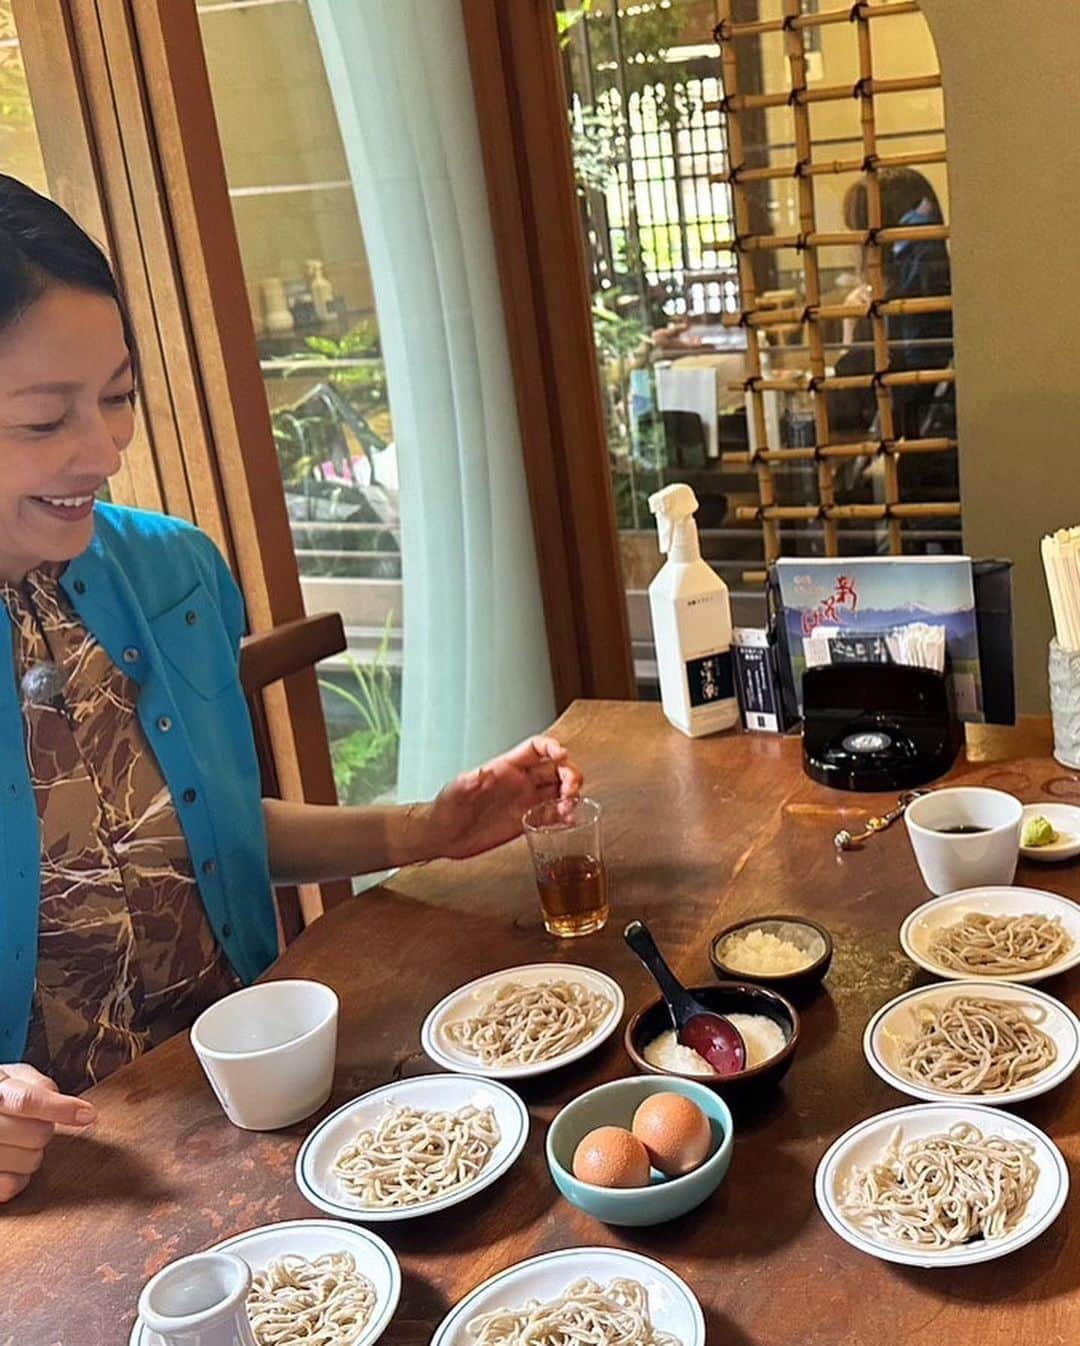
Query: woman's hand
point(483, 808)
point(31, 1107)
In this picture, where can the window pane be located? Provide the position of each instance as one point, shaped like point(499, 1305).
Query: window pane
point(20, 153)
point(318, 338)
point(652, 160)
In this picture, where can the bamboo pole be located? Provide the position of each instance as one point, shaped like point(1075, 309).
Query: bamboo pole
point(825, 93)
point(866, 448)
point(841, 238)
point(802, 168)
point(939, 509)
point(782, 317)
point(800, 383)
point(796, 56)
point(766, 487)
point(755, 27)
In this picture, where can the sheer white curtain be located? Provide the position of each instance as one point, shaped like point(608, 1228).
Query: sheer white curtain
point(476, 674)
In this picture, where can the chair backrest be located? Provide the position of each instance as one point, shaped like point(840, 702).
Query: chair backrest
point(266, 658)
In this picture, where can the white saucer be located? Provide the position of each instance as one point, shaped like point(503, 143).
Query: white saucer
point(1065, 820)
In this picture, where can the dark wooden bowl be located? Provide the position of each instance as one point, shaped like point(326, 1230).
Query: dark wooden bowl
point(726, 998)
point(798, 986)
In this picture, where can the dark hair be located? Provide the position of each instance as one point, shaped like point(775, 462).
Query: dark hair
point(902, 190)
point(921, 268)
point(41, 245)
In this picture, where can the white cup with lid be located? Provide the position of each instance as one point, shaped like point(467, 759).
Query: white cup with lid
point(268, 1052)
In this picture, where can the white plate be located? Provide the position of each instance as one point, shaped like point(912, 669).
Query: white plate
point(466, 1000)
point(435, 1093)
point(312, 1238)
point(925, 921)
point(896, 1023)
point(865, 1142)
point(672, 1304)
point(1065, 820)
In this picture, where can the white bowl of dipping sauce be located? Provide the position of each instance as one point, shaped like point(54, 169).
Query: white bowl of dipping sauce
point(268, 1052)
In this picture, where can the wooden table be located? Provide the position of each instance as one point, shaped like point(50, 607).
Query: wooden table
point(698, 833)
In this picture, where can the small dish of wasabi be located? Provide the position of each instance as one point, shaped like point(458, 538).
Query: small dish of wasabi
point(1050, 832)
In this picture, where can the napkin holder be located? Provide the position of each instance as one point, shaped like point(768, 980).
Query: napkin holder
point(871, 727)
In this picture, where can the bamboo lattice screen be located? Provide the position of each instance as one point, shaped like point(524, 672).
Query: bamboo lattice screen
point(760, 313)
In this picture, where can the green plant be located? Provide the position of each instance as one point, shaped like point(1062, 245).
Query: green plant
point(365, 760)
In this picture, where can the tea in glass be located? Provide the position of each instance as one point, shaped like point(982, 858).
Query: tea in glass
point(564, 838)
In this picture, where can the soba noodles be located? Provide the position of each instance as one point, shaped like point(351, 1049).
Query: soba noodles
point(937, 1192)
point(998, 946)
point(587, 1314)
point(520, 1025)
point(411, 1156)
point(972, 1046)
point(324, 1302)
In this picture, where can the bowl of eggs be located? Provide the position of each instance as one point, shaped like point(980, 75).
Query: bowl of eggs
point(642, 1150)
point(789, 954)
point(767, 1023)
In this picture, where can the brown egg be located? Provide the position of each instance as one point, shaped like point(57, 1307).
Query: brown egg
point(675, 1132)
point(611, 1157)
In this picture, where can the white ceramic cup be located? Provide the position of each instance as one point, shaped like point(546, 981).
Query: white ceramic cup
point(268, 1052)
point(199, 1301)
point(951, 861)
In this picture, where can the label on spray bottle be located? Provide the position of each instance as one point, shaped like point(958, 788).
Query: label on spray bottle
point(710, 674)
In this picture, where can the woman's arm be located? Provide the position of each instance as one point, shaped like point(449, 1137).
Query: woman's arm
point(311, 842)
point(474, 813)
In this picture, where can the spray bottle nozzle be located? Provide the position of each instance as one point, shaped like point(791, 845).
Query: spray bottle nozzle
point(674, 505)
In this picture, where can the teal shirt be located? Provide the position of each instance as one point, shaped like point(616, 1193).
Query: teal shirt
point(157, 595)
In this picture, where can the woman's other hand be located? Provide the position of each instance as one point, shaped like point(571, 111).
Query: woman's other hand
point(31, 1107)
point(483, 808)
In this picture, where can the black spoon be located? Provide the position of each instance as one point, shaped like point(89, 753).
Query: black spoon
point(710, 1035)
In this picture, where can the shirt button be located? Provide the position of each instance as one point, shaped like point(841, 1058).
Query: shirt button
point(164, 723)
point(209, 867)
point(131, 655)
point(189, 796)
point(226, 930)
point(79, 586)
point(191, 617)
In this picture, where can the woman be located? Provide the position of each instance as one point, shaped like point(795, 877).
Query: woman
point(137, 856)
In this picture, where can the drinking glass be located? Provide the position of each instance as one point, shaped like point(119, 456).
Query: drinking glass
point(564, 838)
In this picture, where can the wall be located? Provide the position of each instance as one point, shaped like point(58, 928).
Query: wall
point(1013, 121)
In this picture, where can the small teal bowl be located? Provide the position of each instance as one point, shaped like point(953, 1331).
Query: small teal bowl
point(614, 1105)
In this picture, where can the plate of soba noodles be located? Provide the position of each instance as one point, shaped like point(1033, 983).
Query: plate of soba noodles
point(941, 1184)
point(973, 1041)
point(412, 1148)
point(994, 934)
point(578, 1297)
point(523, 1021)
point(312, 1281)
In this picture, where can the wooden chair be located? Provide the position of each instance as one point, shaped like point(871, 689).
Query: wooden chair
point(266, 658)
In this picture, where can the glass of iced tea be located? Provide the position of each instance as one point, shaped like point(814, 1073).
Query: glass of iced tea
point(564, 838)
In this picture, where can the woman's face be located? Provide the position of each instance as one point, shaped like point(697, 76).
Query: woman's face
point(66, 416)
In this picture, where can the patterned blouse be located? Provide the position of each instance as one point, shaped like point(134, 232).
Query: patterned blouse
point(126, 955)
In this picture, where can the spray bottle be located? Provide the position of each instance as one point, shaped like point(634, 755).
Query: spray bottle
point(691, 617)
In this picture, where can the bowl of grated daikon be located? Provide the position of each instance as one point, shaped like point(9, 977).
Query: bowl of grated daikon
point(790, 954)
